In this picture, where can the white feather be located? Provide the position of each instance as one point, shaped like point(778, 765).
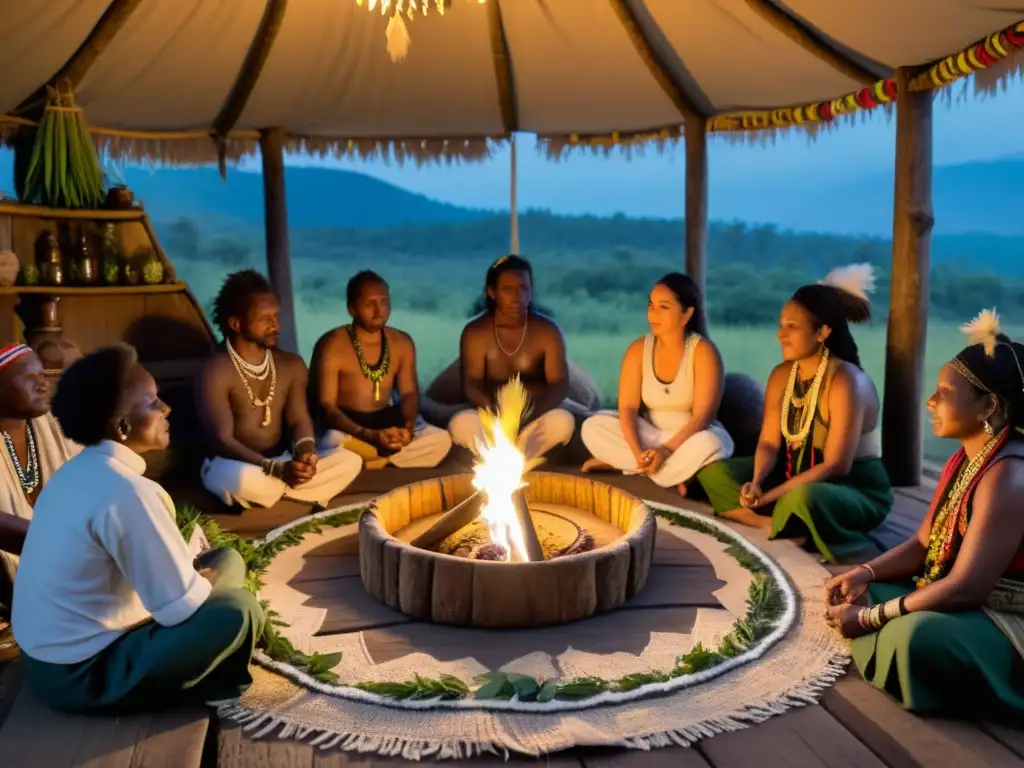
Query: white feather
point(398, 40)
point(983, 329)
point(855, 279)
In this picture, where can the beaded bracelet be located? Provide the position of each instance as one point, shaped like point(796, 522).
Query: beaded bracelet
point(870, 570)
point(879, 615)
point(295, 447)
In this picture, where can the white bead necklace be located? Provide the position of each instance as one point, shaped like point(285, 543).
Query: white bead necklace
point(810, 400)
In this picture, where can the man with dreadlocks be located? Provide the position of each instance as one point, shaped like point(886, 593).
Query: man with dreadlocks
point(34, 446)
point(252, 404)
point(944, 629)
point(817, 470)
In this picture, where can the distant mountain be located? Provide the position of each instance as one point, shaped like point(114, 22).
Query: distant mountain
point(967, 198)
point(317, 197)
point(981, 198)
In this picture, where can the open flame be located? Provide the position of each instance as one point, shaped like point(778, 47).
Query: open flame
point(500, 468)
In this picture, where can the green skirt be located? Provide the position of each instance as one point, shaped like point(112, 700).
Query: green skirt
point(949, 664)
point(203, 659)
point(837, 516)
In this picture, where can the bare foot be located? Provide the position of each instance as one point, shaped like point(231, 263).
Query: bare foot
point(591, 465)
point(749, 518)
point(681, 489)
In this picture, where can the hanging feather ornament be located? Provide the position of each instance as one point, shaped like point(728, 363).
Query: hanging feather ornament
point(984, 329)
point(398, 38)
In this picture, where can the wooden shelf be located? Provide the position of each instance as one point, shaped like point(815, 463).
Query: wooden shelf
point(90, 214)
point(92, 290)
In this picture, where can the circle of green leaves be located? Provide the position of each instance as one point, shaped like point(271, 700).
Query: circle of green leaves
point(765, 605)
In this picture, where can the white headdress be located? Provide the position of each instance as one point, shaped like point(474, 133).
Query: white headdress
point(984, 329)
point(855, 279)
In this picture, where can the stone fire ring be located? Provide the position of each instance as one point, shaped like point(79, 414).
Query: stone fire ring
point(445, 589)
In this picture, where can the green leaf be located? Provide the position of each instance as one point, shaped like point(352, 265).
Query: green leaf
point(547, 691)
point(525, 686)
point(495, 689)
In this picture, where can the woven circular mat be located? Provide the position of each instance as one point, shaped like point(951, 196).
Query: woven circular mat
point(695, 594)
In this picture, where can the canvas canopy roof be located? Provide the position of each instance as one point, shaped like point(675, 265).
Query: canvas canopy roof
point(574, 71)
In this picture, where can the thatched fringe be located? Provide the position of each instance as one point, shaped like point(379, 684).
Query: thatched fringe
point(418, 151)
point(197, 150)
point(259, 724)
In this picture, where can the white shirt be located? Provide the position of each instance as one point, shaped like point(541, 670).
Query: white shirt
point(103, 555)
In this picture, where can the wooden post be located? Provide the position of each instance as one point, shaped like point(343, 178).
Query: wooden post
point(696, 201)
point(903, 405)
point(275, 212)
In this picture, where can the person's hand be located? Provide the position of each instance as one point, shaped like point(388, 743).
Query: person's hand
point(847, 587)
point(750, 496)
point(297, 471)
point(642, 460)
point(658, 456)
point(391, 438)
point(846, 618)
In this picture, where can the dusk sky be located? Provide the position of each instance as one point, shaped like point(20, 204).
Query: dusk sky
point(968, 129)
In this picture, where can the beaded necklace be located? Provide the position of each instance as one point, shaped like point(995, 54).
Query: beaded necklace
point(243, 368)
point(806, 406)
point(374, 373)
point(27, 476)
point(948, 519)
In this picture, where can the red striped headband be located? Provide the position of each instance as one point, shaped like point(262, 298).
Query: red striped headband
point(12, 352)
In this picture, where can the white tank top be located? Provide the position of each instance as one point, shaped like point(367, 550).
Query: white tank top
point(669, 403)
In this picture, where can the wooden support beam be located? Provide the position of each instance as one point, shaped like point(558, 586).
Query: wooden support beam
point(279, 267)
point(697, 202)
point(503, 72)
point(683, 98)
point(75, 69)
point(248, 75)
point(816, 43)
point(903, 405)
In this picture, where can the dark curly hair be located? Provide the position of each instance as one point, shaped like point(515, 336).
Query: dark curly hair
point(359, 281)
point(235, 295)
point(91, 392)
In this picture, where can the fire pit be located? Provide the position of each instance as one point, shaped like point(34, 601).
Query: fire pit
point(505, 547)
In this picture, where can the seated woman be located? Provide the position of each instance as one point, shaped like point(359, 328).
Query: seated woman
point(675, 374)
point(109, 609)
point(35, 449)
point(945, 633)
point(817, 469)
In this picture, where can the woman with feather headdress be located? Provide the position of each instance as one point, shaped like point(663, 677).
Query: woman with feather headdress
point(817, 471)
point(944, 632)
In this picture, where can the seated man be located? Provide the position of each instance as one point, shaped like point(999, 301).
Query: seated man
point(251, 400)
point(35, 449)
point(510, 338)
point(356, 398)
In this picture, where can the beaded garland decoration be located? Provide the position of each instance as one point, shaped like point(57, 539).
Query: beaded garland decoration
point(27, 476)
point(981, 55)
point(374, 373)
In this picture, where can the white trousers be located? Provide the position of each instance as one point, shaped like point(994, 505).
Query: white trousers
point(428, 448)
point(602, 434)
point(555, 427)
point(245, 484)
